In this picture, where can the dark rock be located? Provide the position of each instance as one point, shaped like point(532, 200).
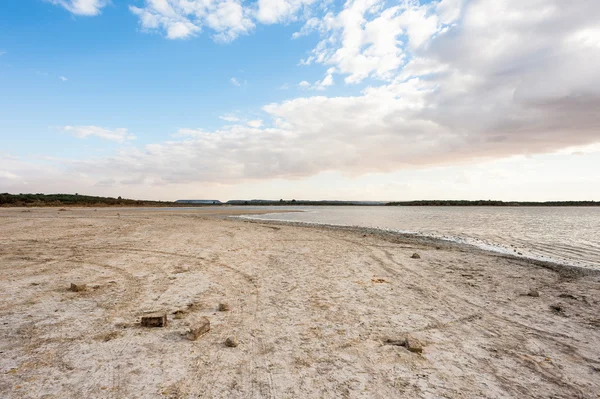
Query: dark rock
point(557, 308)
point(533, 293)
point(77, 287)
point(568, 296)
point(223, 307)
point(395, 342)
point(158, 319)
point(416, 256)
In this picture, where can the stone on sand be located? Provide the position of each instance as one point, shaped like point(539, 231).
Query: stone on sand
point(223, 307)
point(77, 287)
point(157, 319)
point(413, 345)
point(232, 342)
point(416, 256)
point(410, 343)
point(198, 329)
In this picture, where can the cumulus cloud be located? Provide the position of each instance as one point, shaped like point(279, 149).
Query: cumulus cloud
point(367, 39)
point(63, 78)
point(180, 19)
point(119, 135)
point(255, 123)
point(486, 80)
point(81, 7)
point(228, 19)
point(235, 82)
point(319, 84)
point(274, 11)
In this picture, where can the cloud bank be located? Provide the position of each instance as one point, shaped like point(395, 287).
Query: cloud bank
point(449, 82)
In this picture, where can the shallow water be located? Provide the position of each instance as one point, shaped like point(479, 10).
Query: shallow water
point(567, 235)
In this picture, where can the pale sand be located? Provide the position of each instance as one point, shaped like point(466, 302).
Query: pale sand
point(306, 306)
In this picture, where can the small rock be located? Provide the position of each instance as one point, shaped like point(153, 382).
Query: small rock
point(416, 256)
point(413, 345)
point(199, 329)
point(77, 287)
point(158, 319)
point(232, 342)
point(533, 293)
point(223, 307)
point(410, 343)
point(109, 336)
point(179, 314)
point(557, 308)
point(395, 342)
point(568, 296)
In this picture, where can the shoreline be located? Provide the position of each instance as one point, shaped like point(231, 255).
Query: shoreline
point(422, 239)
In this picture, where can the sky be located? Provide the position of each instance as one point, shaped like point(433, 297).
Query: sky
point(304, 99)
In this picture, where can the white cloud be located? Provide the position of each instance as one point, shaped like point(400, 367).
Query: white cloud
point(120, 135)
point(274, 11)
point(229, 118)
point(235, 82)
point(319, 84)
point(366, 38)
point(256, 123)
point(475, 91)
point(81, 7)
point(180, 19)
point(63, 78)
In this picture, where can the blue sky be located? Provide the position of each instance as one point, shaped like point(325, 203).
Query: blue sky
point(362, 99)
point(119, 76)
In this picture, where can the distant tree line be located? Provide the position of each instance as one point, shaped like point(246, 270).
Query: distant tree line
point(72, 199)
point(491, 203)
point(7, 199)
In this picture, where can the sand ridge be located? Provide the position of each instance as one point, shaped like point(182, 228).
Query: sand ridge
point(311, 308)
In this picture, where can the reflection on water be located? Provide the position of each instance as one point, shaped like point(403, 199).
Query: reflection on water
point(568, 235)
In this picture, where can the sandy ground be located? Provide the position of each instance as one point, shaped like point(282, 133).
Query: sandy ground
point(311, 308)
